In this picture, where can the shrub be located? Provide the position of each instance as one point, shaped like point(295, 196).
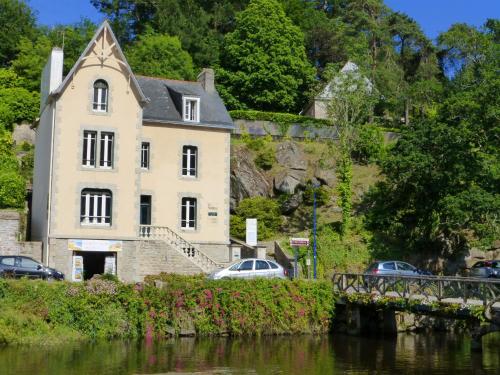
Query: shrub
point(265, 159)
point(265, 210)
point(369, 145)
point(323, 195)
point(12, 190)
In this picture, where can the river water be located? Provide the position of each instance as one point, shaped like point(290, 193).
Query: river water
point(337, 354)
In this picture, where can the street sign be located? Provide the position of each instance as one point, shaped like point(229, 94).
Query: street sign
point(298, 242)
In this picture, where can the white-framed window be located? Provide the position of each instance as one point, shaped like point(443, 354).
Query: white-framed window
point(105, 149)
point(145, 155)
point(100, 102)
point(89, 148)
point(189, 161)
point(95, 207)
point(191, 109)
point(106, 152)
point(188, 213)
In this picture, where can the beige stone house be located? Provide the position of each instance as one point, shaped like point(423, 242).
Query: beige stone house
point(131, 173)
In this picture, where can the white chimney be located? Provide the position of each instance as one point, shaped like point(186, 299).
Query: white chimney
point(51, 75)
point(206, 78)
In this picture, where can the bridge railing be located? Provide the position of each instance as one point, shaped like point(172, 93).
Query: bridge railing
point(462, 290)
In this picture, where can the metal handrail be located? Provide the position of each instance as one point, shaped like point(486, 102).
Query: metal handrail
point(457, 289)
point(187, 249)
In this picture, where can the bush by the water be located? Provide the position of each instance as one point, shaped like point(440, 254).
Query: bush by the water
point(37, 312)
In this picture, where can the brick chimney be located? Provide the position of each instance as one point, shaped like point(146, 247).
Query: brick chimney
point(206, 78)
point(51, 75)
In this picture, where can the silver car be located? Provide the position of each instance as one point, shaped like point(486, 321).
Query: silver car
point(486, 268)
point(250, 268)
point(394, 268)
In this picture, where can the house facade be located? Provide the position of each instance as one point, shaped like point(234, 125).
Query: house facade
point(131, 173)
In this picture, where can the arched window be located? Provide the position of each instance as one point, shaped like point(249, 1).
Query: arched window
point(100, 103)
point(95, 207)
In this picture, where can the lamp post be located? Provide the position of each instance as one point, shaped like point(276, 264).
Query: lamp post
point(315, 255)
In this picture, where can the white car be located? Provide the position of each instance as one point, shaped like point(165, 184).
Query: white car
point(250, 268)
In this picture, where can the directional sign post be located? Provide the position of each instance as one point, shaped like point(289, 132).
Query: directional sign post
point(295, 243)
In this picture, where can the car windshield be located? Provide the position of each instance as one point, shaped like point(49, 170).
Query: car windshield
point(405, 266)
point(495, 264)
point(234, 267)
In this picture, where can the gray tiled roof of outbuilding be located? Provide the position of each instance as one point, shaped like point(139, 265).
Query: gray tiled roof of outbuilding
point(165, 103)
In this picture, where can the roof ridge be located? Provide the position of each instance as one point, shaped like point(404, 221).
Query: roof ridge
point(166, 79)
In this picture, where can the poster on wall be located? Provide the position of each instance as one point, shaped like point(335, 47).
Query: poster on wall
point(110, 265)
point(94, 245)
point(77, 272)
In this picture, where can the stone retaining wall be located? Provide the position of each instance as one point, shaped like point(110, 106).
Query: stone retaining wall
point(10, 233)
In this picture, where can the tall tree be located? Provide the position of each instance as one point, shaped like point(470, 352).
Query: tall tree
point(161, 56)
point(349, 108)
point(16, 21)
point(442, 177)
point(264, 64)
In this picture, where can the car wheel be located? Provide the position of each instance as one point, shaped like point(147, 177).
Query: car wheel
point(225, 278)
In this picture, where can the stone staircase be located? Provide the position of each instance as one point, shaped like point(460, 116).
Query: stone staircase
point(180, 245)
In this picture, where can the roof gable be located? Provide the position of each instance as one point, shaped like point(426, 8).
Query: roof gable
point(111, 52)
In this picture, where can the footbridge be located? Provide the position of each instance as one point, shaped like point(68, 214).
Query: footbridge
point(473, 299)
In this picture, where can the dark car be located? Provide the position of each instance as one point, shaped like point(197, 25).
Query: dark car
point(394, 268)
point(20, 266)
point(486, 268)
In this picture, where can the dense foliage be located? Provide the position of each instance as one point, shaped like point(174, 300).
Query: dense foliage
point(280, 118)
point(442, 182)
point(264, 64)
point(160, 56)
point(37, 312)
point(265, 210)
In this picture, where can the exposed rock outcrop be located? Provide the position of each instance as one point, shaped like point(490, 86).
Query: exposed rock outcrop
point(294, 163)
point(246, 179)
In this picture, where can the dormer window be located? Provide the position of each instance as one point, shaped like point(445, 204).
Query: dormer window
point(191, 107)
point(100, 103)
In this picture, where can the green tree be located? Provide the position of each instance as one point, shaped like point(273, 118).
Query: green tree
point(16, 103)
point(16, 21)
point(161, 56)
point(442, 177)
point(264, 64)
point(12, 184)
point(350, 107)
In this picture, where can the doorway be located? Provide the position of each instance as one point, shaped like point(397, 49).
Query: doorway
point(94, 262)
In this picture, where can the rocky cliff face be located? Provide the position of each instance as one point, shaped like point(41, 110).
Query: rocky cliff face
point(294, 167)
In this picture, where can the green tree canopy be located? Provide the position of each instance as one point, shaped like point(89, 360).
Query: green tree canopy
point(264, 64)
point(16, 21)
point(442, 178)
point(160, 55)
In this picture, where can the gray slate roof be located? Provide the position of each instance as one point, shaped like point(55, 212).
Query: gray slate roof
point(165, 103)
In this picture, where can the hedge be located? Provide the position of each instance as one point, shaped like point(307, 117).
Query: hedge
point(286, 118)
point(38, 312)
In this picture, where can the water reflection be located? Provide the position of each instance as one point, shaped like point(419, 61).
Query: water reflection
point(406, 354)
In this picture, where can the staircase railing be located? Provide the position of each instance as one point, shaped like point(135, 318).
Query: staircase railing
point(187, 249)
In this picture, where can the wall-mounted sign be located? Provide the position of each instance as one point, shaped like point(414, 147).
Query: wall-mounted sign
point(251, 237)
point(212, 213)
point(299, 242)
point(77, 271)
point(94, 245)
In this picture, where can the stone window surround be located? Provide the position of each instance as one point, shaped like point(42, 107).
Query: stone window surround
point(151, 193)
point(90, 99)
point(98, 130)
point(114, 204)
point(150, 167)
point(179, 212)
point(198, 160)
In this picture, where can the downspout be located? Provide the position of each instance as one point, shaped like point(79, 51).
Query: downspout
point(49, 199)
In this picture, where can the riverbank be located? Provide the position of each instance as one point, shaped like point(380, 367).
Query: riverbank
point(41, 313)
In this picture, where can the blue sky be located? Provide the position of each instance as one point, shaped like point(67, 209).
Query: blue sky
point(434, 16)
